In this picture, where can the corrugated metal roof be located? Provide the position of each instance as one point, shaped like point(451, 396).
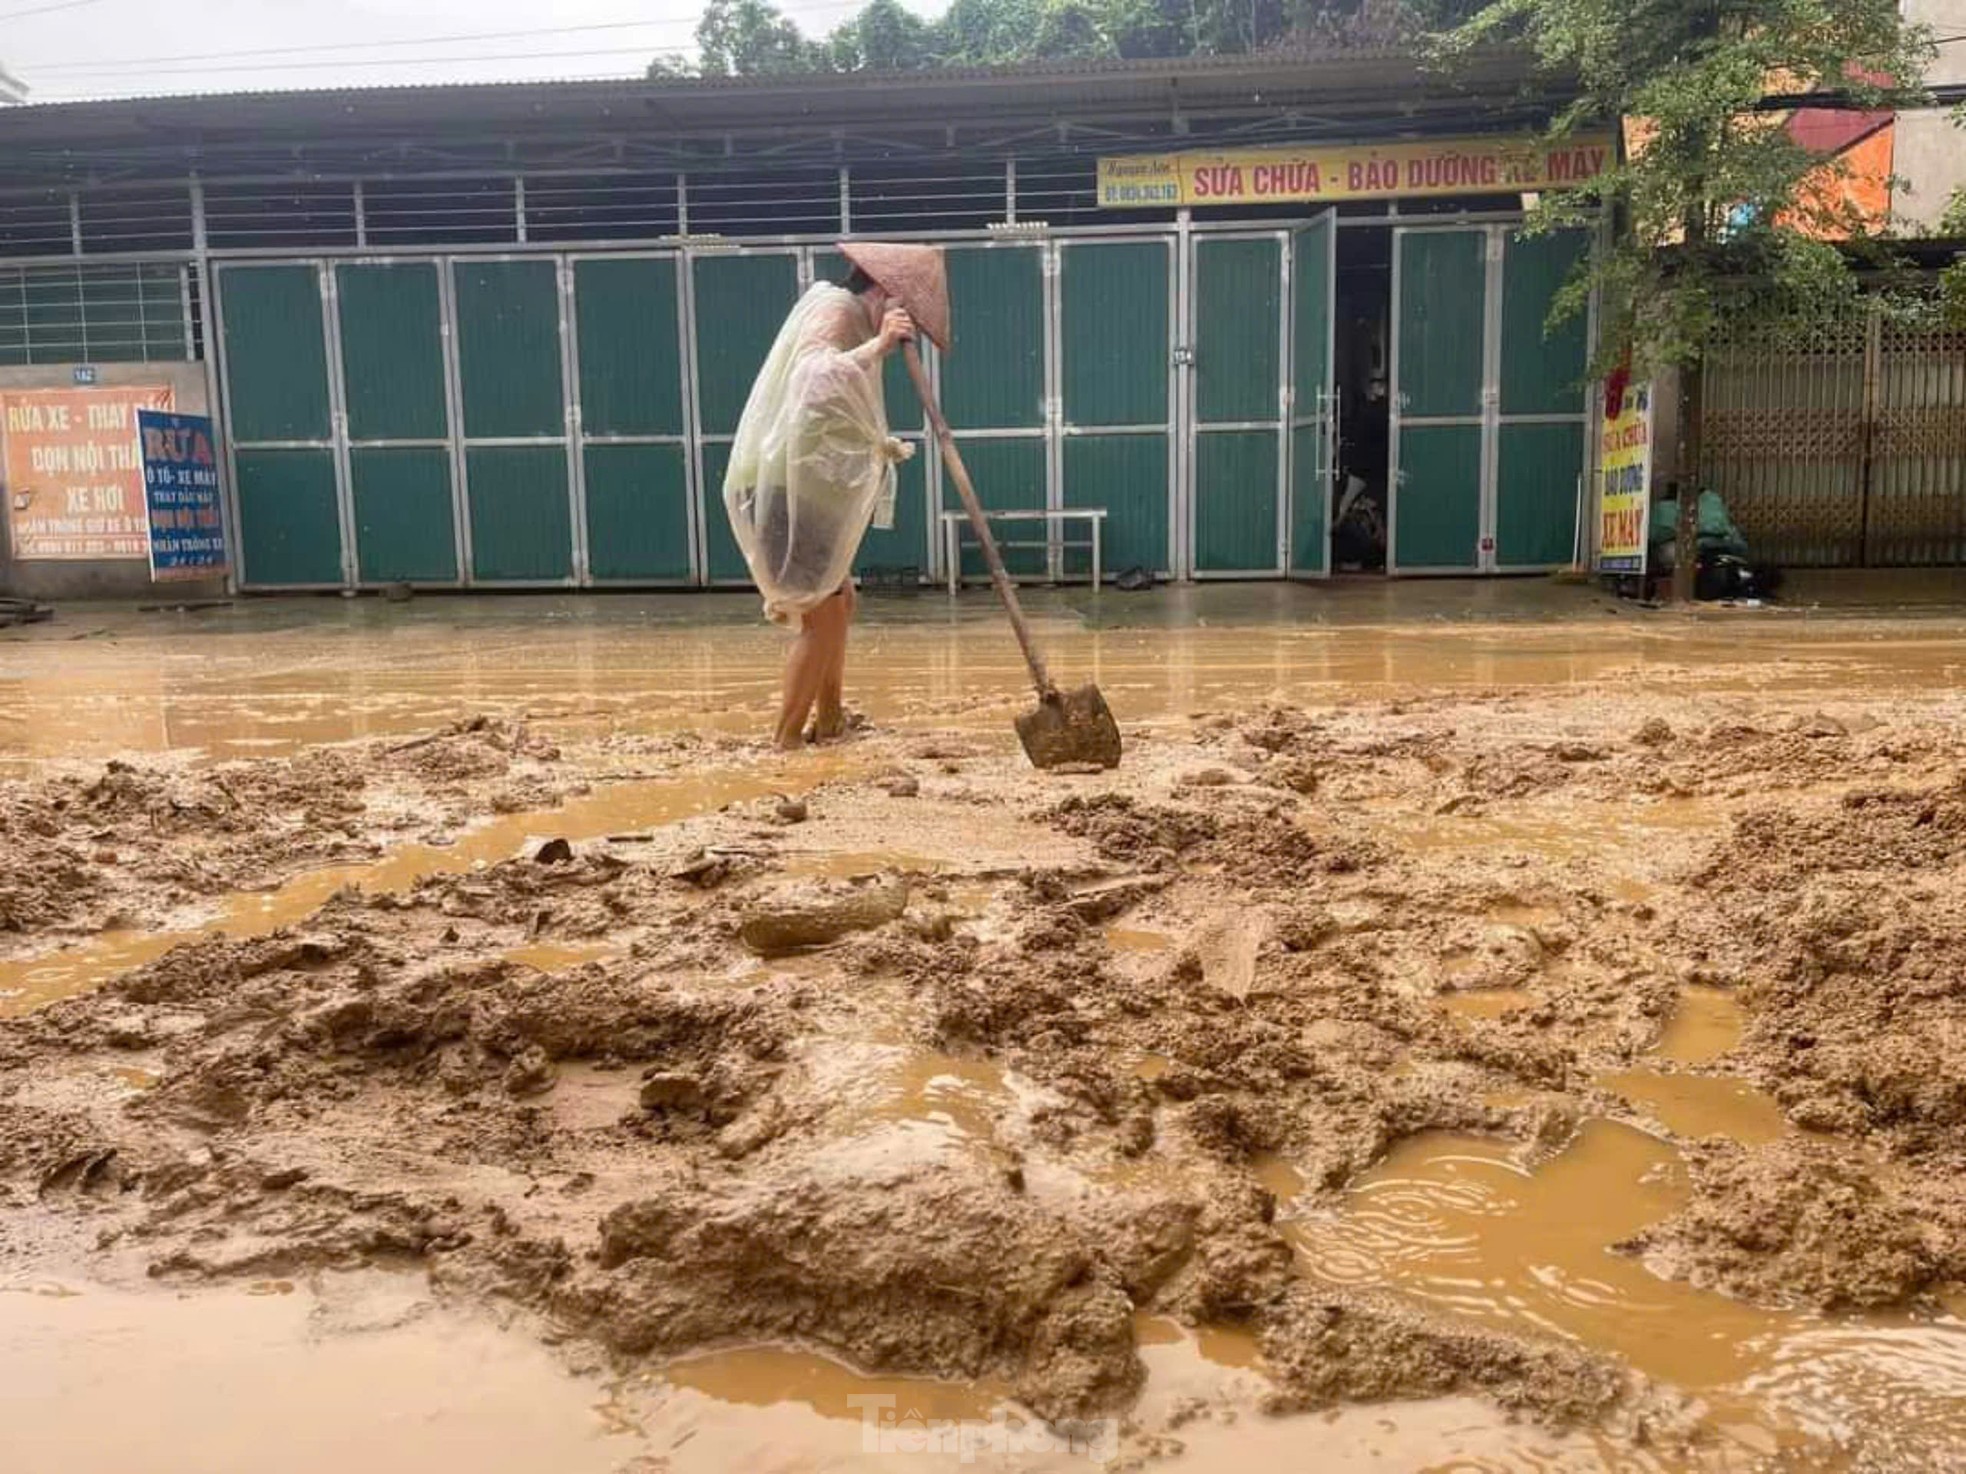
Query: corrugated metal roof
point(1196, 66)
point(1371, 91)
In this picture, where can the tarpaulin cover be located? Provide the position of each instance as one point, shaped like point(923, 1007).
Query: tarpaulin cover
point(812, 464)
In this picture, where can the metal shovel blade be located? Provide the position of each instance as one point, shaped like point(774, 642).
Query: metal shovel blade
point(1071, 728)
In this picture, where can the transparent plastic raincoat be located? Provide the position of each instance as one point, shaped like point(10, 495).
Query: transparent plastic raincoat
point(812, 465)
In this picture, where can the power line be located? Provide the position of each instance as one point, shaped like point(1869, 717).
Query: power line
point(387, 61)
point(204, 61)
point(206, 56)
point(48, 9)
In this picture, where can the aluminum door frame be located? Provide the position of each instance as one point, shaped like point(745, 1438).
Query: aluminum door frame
point(1326, 414)
point(450, 443)
point(1169, 428)
point(1193, 429)
point(1488, 398)
point(685, 439)
point(335, 443)
point(705, 494)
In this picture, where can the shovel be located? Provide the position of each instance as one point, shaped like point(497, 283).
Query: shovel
point(1066, 728)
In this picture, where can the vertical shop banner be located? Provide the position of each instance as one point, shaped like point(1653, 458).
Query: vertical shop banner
point(1624, 480)
point(73, 471)
point(180, 486)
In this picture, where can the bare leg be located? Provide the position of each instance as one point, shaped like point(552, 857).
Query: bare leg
point(806, 668)
point(830, 721)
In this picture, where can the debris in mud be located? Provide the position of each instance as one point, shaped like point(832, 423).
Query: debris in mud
point(812, 916)
point(1804, 1223)
point(1324, 1348)
point(132, 843)
point(566, 1081)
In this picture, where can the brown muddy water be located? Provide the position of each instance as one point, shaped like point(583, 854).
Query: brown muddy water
point(330, 1372)
point(235, 689)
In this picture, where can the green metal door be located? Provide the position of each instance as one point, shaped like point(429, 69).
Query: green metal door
point(1313, 417)
point(389, 317)
point(902, 550)
point(1115, 313)
point(1239, 330)
point(280, 416)
point(634, 443)
point(1440, 364)
point(994, 389)
point(738, 303)
point(1542, 410)
point(512, 388)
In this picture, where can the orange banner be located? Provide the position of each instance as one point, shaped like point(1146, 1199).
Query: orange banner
point(1319, 173)
point(73, 471)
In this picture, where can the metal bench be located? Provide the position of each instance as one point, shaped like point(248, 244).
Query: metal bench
point(1053, 542)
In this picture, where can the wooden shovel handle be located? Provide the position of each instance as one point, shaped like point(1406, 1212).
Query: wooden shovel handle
point(952, 458)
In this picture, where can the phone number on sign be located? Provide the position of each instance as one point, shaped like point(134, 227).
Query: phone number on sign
point(1143, 194)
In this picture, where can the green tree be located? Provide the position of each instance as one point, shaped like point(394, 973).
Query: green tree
point(1718, 219)
point(975, 33)
point(886, 36)
point(750, 38)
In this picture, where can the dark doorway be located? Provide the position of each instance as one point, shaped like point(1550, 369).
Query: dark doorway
point(1361, 500)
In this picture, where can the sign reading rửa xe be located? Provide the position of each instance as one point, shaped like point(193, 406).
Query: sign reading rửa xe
point(1314, 173)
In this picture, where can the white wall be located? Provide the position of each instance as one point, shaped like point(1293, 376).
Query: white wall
point(1929, 149)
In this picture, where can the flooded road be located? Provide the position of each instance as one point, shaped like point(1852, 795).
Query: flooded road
point(272, 679)
point(1404, 976)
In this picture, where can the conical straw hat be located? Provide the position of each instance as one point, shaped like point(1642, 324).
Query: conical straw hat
point(914, 277)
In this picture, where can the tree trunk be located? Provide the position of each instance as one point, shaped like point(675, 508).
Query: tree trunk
point(1692, 435)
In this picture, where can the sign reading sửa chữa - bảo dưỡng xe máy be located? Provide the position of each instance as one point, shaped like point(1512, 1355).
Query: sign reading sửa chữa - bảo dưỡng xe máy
point(1321, 173)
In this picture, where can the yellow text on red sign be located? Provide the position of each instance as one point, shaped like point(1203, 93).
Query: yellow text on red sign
point(1316, 173)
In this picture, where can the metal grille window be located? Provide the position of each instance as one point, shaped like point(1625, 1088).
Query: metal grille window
point(616, 207)
point(130, 220)
point(450, 212)
point(1064, 190)
point(94, 314)
point(946, 194)
point(36, 224)
point(805, 202)
point(279, 216)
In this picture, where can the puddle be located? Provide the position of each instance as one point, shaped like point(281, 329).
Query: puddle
point(775, 1376)
point(552, 956)
point(30, 982)
point(1701, 1105)
point(1581, 829)
point(1706, 1025)
point(241, 1381)
point(1486, 1003)
point(1458, 1223)
point(852, 864)
point(1138, 939)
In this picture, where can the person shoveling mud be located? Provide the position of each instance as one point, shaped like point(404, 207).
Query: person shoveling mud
point(813, 466)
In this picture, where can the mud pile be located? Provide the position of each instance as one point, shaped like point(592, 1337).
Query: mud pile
point(125, 846)
point(958, 1076)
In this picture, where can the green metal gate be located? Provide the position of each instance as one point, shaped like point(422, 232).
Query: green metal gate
point(1488, 409)
point(1238, 462)
point(738, 300)
point(1313, 403)
point(281, 424)
point(402, 479)
point(996, 388)
point(511, 369)
point(632, 418)
point(1116, 311)
point(557, 419)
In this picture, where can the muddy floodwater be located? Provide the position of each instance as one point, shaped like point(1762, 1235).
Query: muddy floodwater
point(444, 1034)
